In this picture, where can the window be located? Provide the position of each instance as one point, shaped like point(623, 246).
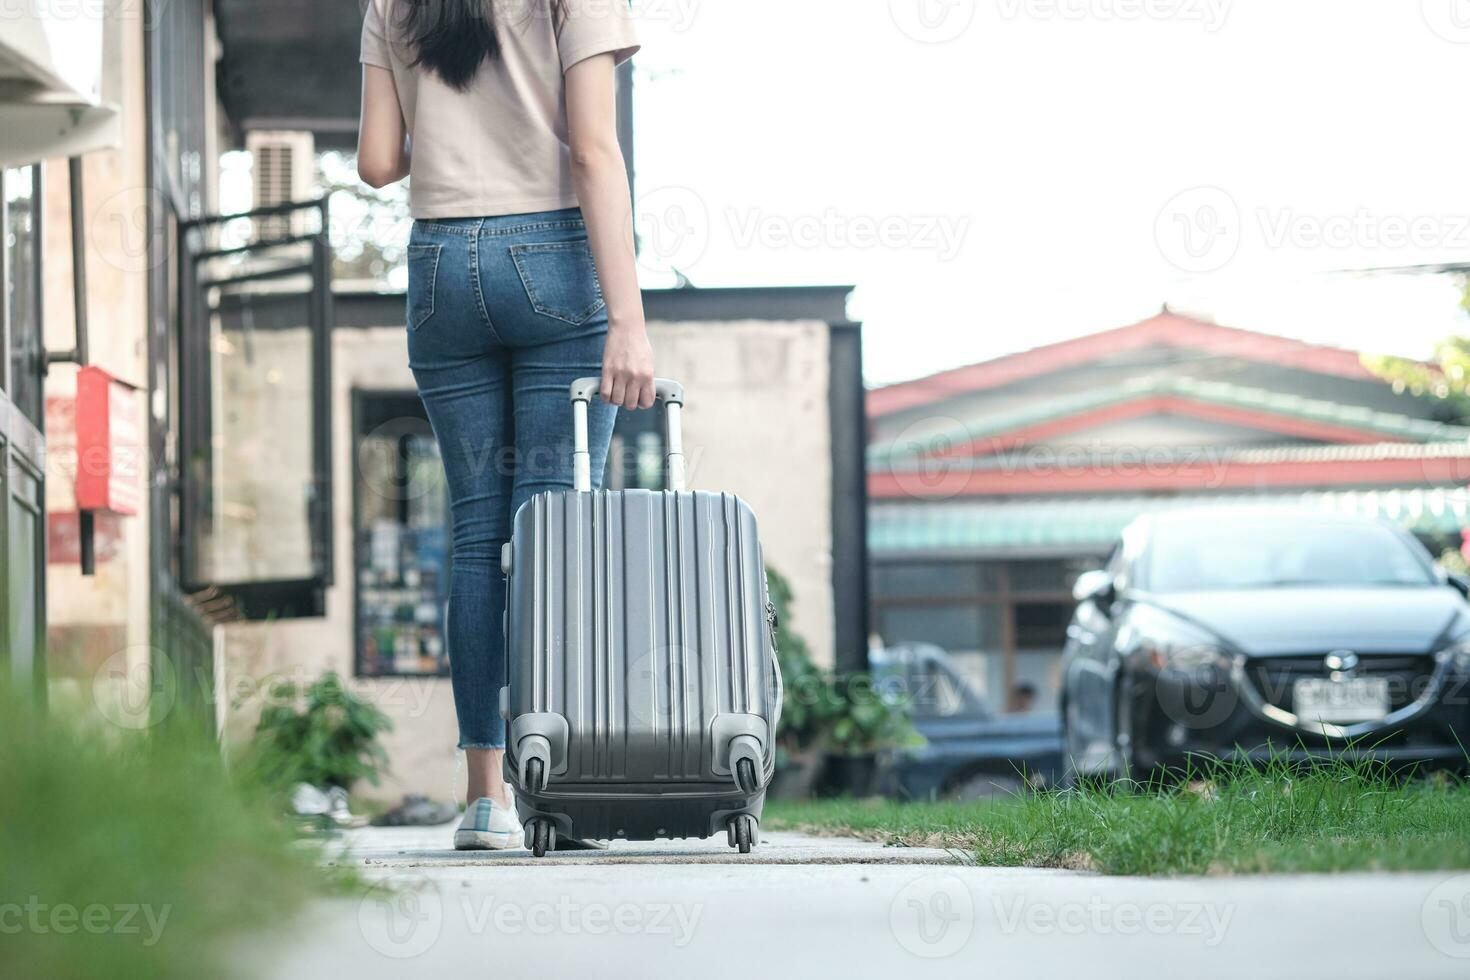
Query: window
point(1002, 624)
point(920, 579)
point(969, 634)
point(401, 538)
point(1271, 552)
point(1041, 633)
point(956, 628)
point(263, 454)
point(932, 690)
point(22, 265)
point(1056, 576)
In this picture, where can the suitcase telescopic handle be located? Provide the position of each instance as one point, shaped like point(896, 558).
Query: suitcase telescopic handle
point(670, 395)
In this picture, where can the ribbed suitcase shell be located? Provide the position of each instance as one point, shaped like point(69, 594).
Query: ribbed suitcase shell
point(642, 619)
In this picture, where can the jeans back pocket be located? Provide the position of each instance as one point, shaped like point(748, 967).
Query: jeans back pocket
point(560, 279)
point(423, 276)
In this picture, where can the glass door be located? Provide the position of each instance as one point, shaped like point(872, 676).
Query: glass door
point(22, 445)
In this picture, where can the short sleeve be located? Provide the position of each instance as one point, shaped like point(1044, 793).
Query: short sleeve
point(374, 39)
point(593, 27)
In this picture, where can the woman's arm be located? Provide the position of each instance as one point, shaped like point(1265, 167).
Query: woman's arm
point(382, 145)
point(601, 179)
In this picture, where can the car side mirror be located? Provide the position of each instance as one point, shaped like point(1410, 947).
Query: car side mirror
point(1460, 583)
point(1096, 587)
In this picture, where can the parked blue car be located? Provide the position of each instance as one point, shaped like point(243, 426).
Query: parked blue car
point(969, 751)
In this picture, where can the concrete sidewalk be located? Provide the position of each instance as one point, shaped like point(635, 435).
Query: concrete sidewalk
point(816, 908)
point(391, 848)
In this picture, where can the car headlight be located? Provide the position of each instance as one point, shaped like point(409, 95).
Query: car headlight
point(1155, 639)
point(1456, 656)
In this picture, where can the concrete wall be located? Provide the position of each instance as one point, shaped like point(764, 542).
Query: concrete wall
point(756, 424)
point(98, 626)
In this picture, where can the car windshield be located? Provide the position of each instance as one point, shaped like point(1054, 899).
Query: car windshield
point(1210, 555)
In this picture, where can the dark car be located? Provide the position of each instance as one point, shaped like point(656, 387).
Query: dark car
point(1246, 635)
point(969, 751)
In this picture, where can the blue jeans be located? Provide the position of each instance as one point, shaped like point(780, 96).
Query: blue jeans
point(504, 314)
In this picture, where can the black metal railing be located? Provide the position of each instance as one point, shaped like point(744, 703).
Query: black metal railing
point(183, 679)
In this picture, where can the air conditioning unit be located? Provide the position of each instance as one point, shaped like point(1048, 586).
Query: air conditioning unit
point(283, 171)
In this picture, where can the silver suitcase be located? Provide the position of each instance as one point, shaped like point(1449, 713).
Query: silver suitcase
point(643, 691)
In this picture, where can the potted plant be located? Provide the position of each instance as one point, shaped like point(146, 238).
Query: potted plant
point(832, 728)
point(322, 736)
point(798, 736)
point(861, 722)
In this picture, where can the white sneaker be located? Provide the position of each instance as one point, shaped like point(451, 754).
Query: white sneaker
point(488, 826)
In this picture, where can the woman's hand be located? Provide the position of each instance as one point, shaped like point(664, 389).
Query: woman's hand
point(627, 368)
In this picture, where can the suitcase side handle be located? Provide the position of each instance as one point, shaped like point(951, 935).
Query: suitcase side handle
point(670, 395)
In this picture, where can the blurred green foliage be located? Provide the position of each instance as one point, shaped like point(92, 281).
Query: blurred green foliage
point(1446, 378)
point(130, 853)
point(843, 714)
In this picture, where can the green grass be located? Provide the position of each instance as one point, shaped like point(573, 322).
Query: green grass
point(1339, 816)
point(128, 854)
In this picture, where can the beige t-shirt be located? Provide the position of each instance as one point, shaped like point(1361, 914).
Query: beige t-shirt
point(499, 147)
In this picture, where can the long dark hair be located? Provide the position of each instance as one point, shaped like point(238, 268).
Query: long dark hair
point(453, 38)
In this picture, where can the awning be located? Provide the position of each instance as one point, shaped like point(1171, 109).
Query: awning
point(1090, 526)
point(292, 65)
point(60, 78)
point(942, 435)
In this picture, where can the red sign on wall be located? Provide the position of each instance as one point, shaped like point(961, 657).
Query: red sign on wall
point(109, 433)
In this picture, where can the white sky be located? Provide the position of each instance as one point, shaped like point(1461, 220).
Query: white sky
point(1035, 177)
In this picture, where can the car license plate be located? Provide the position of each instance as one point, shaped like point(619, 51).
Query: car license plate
point(1336, 701)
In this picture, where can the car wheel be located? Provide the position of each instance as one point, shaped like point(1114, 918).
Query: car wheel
point(1074, 776)
point(1124, 771)
point(1064, 714)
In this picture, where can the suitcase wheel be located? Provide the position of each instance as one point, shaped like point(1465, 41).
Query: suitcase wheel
point(542, 834)
point(743, 832)
point(745, 777)
point(535, 777)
